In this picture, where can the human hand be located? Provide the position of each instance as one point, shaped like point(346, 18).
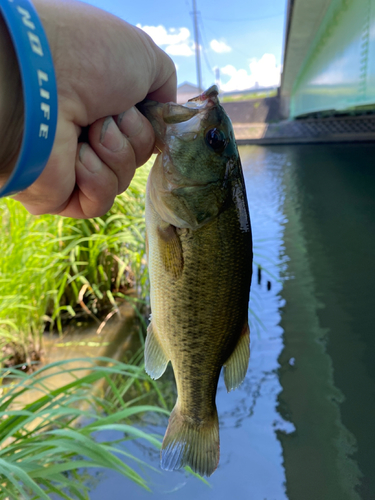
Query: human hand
point(104, 66)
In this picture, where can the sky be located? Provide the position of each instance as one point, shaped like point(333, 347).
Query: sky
point(242, 38)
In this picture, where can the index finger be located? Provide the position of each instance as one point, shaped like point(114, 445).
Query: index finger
point(164, 86)
point(164, 89)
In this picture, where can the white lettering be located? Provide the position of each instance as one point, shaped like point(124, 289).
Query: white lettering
point(42, 77)
point(26, 18)
point(44, 94)
point(43, 130)
point(36, 46)
point(46, 109)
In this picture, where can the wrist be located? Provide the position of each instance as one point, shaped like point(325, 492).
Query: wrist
point(39, 92)
point(11, 105)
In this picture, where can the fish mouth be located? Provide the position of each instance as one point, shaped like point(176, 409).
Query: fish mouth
point(183, 118)
point(208, 98)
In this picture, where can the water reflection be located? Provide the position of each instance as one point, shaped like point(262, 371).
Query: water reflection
point(301, 425)
point(329, 322)
point(316, 455)
point(251, 455)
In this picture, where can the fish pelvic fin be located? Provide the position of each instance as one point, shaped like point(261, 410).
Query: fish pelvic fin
point(155, 359)
point(235, 367)
point(171, 250)
point(187, 442)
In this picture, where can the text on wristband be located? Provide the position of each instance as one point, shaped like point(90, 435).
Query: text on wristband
point(36, 47)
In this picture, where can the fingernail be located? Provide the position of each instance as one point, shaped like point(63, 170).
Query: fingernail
point(110, 136)
point(130, 122)
point(89, 159)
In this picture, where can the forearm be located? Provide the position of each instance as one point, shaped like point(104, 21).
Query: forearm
point(11, 105)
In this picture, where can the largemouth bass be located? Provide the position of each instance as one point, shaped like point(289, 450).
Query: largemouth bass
point(199, 251)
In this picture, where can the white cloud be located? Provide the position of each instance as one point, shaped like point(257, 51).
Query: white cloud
point(180, 49)
point(238, 79)
point(219, 47)
point(264, 72)
point(175, 41)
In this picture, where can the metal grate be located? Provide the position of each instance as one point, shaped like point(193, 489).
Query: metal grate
point(338, 129)
point(322, 127)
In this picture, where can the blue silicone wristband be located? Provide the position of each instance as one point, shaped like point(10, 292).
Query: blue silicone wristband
point(39, 93)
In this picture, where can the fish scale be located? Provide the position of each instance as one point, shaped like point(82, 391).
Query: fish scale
point(200, 265)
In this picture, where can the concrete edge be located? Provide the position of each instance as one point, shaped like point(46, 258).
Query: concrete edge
point(328, 139)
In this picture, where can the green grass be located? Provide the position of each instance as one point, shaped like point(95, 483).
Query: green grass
point(249, 96)
point(47, 445)
point(54, 268)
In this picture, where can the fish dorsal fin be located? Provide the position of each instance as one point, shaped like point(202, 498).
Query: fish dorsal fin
point(171, 250)
point(155, 359)
point(235, 367)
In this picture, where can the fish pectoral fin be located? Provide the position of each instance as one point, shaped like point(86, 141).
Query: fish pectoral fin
point(171, 250)
point(155, 359)
point(235, 367)
point(189, 443)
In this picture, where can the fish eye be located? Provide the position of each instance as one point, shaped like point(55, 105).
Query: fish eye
point(216, 139)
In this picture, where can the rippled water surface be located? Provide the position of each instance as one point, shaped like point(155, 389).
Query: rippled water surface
point(301, 426)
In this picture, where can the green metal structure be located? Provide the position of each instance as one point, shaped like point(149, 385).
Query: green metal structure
point(329, 59)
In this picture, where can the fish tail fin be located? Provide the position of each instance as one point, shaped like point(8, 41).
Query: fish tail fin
point(190, 443)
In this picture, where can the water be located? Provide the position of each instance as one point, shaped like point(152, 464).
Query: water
point(301, 426)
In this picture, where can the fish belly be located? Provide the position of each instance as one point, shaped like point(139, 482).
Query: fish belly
point(199, 315)
point(199, 305)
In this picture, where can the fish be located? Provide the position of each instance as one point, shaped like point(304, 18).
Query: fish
point(199, 253)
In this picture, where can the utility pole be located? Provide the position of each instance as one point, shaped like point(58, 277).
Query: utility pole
point(197, 48)
point(217, 76)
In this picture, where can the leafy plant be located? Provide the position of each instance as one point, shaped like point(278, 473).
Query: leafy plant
point(46, 445)
point(54, 268)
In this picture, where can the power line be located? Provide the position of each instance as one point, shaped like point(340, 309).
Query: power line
point(203, 33)
point(217, 36)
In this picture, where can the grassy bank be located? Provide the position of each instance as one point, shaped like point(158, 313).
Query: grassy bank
point(248, 96)
point(53, 269)
point(48, 446)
